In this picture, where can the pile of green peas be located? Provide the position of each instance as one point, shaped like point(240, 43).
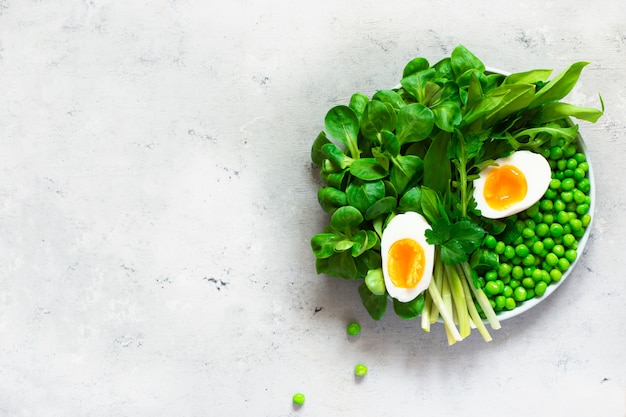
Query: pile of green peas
point(549, 232)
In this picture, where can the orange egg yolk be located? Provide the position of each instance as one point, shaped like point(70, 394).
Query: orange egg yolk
point(505, 186)
point(406, 263)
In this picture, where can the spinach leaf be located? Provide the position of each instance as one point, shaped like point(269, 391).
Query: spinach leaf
point(415, 65)
point(342, 124)
point(415, 122)
point(368, 169)
point(383, 206)
point(330, 198)
point(411, 200)
point(377, 117)
point(462, 60)
point(405, 169)
point(362, 194)
point(339, 265)
point(317, 155)
point(391, 98)
point(358, 102)
point(346, 219)
point(409, 310)
point(376, 305)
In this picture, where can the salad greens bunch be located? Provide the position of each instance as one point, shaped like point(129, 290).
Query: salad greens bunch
point(418, 147)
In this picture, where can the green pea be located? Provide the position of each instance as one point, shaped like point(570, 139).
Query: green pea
point(542, 230)
point(568, 184)
point(517, 272)
point(552, 259)
point(579, 157)
point(563, 264)
point(491, 275)
point(500, 302)
point(582, 209)
point(584, 166)
point(490, 241)
point(491, 288)
point(528, 233)
point(298, 398)
point(507, 291)
point(360, 370)
point(558, 250)
point(538, 247)
point(576, 224)
point(579, 174)
point(548, 243)
point(561, 164)
point(585, 219)
point(504, 269)
point(540, 288)
point(521, 250)
point(571, 255)
point(556, 153)
point(519, 294)
point(568, 173)
point(510, 303)
point(353, 328)
point(556, 275)
point(569, 150)
point(530, 293)
point(551, 194)
point(567, 196)
point(556, 230)
point(562, 217)
point(528, 271)
point(509, 252)
point(579, 197)
point(531, 212)
point(559, 205)
point(515, 283)
point(569, 240)
point(548, 218)
point(584, 185)
point(528, 260)
point(499, 248)
point(536, 276)
point(572, 163)
point(528, 283)
point(545, 276)
point(555, 184)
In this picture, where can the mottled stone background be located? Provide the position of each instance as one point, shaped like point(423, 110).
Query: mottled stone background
point(157, 201)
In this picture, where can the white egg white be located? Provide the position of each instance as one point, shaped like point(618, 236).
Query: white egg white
point(538, 174)
point(409, 225)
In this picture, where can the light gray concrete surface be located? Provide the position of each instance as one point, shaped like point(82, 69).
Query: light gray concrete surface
point(157, 202)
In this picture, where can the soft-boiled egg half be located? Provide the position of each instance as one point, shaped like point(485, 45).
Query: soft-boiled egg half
point(516, 182)
point(406, 257)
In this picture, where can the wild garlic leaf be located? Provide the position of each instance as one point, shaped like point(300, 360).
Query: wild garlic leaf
point(560, 86)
